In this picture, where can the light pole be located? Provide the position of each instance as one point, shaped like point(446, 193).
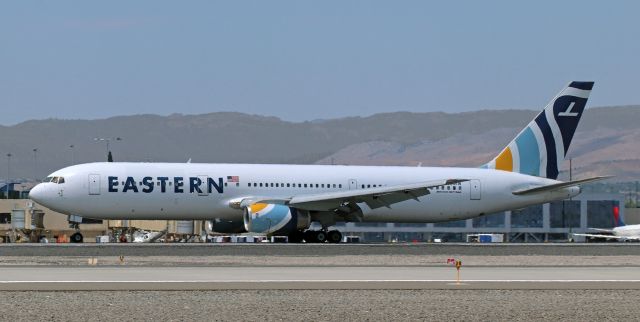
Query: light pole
point(72, 154)
point(35, 163)
point(107, 141)
point(8, 172)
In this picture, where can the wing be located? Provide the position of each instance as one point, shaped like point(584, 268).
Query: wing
point(609, 236)
point(373, 197)
point(602, 230)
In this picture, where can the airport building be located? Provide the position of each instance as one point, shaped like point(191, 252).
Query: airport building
point(25, 220)
point(541, 223)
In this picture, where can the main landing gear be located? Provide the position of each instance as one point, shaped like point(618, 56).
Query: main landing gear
point(316, 236)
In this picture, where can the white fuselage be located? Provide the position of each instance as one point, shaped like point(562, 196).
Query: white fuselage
point(204, 191)
point(627, 231)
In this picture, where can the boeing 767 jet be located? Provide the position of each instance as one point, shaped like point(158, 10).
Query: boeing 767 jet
point(281, 199)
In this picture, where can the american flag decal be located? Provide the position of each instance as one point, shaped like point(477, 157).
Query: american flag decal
point(233, 179)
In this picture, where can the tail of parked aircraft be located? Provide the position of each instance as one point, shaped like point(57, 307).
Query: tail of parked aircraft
point(540, 148)
point(616, 217)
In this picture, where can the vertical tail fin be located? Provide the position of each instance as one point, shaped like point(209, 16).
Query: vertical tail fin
point(616, 216)
point(540, 148)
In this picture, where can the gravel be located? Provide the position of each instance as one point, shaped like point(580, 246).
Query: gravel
point(325, 305)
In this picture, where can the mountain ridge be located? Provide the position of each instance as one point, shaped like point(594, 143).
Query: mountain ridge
point(398, 138)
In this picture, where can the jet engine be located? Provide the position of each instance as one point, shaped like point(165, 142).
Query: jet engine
point(275, 219)
point(225, 226)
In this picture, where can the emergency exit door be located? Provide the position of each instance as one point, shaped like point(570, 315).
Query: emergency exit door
point(353, 184)
point(94, 184)
point(476, 190)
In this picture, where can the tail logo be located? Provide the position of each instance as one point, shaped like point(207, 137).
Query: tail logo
point(568, 111)
point(540, 148)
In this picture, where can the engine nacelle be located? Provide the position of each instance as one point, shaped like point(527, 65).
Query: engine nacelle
point(225, 226)
point(267, 218)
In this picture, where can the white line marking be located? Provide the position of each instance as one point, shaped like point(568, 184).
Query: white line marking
point(324, 281)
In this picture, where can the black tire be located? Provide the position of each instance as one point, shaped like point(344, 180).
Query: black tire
point(334, 236)
point(309, 236)
point(321, 236)
point(296, 237)
point(77, 238)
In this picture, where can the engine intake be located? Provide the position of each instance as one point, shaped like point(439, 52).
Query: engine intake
point(274, 219)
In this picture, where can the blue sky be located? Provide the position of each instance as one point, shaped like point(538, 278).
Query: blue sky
point(304, 60)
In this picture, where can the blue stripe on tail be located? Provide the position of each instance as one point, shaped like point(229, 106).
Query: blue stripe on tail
point(529, 153)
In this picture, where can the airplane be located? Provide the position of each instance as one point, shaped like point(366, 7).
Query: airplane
point(621, 231)
point(284, 200)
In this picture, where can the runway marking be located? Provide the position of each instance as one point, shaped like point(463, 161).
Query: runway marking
point(320, 281)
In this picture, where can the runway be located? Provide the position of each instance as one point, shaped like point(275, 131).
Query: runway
point(119, 278)
point(421, 249)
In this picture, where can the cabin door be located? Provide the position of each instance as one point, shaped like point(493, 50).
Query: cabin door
point(94, 184)
point(476, 192)
point(204, 185)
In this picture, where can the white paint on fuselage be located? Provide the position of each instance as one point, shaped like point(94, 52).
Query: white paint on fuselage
point(627, 231)
point(72, 197)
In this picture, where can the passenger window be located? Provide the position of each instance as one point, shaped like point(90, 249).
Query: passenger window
point(260, 184)
point(374, 185)
point(317, 185)
point(277, 186)
point(334, 185)
point(225, 184)
point(249, 184)
point(287, 185)
point(362, 186)
point(272, 185)
point(340, 186)
point(368, 186)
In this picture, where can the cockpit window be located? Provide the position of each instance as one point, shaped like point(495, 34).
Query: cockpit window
point(57, 180)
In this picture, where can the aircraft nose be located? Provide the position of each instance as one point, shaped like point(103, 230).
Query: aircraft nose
point(38, 193)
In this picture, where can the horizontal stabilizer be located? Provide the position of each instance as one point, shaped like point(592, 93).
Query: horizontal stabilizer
point(609, 236)
point(557, 186)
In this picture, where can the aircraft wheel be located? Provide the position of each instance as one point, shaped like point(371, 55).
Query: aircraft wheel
point(309, 236)
point(334, 236)
point(76, 238)
point(321, 236)
point(296, 237)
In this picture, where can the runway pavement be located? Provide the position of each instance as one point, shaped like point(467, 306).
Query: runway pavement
point(506, 249)
point(60, 278)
